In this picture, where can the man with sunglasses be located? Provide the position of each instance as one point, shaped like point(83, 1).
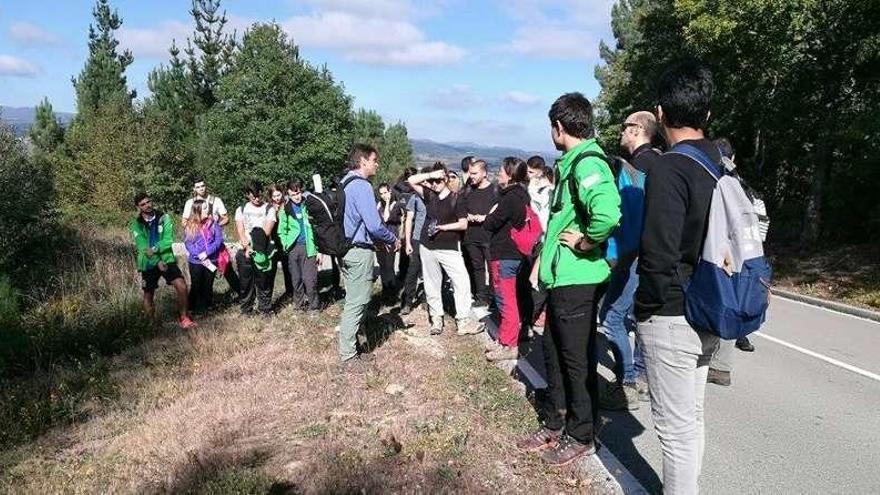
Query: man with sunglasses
point(638, 134)
point(153, 235)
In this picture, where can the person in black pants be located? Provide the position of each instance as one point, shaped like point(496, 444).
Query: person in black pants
point(203, 238)
point(256, 283)
point(479, 199)
point(391, 213)
point(414, 224)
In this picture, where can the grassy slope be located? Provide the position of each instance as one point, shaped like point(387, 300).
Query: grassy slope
point(251, 406)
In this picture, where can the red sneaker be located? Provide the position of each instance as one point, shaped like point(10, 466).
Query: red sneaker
point(186, 323)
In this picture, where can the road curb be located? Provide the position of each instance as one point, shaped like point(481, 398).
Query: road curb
point(832, 305)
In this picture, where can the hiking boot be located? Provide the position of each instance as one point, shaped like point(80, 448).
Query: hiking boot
point(467, 326)
point(620, 397)
point(719, 377)
point(745, 345)
point(542, 438)
point(503, 354)
point(436, 325)
point(567, 451)
point(186, 323)
point(492, 345)
point(642, 387)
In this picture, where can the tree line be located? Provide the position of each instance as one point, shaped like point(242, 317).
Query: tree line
point(797, 88)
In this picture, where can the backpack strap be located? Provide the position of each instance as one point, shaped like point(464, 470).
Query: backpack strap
point(341, 207)
point(697, 155)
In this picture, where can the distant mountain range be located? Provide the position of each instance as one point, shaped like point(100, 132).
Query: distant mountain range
point(426, 151)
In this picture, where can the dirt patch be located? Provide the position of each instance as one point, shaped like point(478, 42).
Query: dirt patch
point(259, 406)
point(848, 274)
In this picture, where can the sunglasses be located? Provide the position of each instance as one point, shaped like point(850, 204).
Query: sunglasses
point(434, 181)
point(627, 125)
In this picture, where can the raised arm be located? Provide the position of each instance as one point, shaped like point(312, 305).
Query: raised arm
point(416, 180)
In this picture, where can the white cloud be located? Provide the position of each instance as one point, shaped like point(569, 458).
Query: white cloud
point(386, 9)
point(27, 34)
point(456, 97)
point(564, 29)
point(154, 42)
point(14, 66)
point(520, 98)
point(371, 40)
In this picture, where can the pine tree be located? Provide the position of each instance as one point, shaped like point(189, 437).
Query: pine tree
point(369, 128)
point(214, 47)
point(46, 133)
point(102, 80)
point(396, 153)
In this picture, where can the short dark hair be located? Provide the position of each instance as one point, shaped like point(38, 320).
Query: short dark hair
point(515, 169)
point(199, 179)
point(550, 174)
point(536, 162)
point(140, 196)
point(294, 185)
point(575, 113)
point(439, 166)
point(479, 163)
point(684, 93)
point(724, 146)
point(466, 162)
point(252, 187)
point(359, 151)
point(385, 185)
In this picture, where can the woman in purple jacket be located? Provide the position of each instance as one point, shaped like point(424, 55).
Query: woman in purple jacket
point(203, 238)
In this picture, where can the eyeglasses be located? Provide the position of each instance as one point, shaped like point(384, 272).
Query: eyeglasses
point(627, 125)
point(434, 181)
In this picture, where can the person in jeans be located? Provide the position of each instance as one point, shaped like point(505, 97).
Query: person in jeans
point(152, 233)
point(574, 272)
point(298, 245)
point(505, 260)
point(366, 232)
point(630, 385)
point(413, 226)
point(678, 194)
point(217, 210)
point(480, 198)
point(203, 238)
point(256, 283)
point(439, 250)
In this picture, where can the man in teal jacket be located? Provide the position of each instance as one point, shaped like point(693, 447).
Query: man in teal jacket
point(298, 241)
point(573, 269)
point(153, 233)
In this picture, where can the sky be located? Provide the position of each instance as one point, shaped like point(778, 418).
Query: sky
point(453, 70)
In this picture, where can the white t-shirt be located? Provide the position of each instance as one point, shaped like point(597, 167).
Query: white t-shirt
point(218, 209)
point(254, 216)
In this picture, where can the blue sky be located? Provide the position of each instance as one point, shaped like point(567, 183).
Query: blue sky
point(453, 70)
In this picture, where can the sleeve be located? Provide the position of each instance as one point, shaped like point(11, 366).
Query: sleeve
point(219, 207)
point(216, 239)
point(186, 209)
point(461, 210)
point(284, 230)
point(140, 241)
point(598, 194)
point(495, 220)
point(364, 203)
point(665, 208)
point(411, 204)
point(167, 238)
point(238, 214)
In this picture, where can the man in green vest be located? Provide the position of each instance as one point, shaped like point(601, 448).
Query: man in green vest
point(153, 234)
point(298, 242)
point(584, 211)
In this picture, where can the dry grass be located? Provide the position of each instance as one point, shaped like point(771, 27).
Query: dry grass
point(849, 274)
point(258, 406)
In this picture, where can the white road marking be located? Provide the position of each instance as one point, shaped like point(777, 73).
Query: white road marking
point(822, 357)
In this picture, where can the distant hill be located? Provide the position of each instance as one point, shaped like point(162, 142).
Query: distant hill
point(425, 150)
point(428, 152)
point(21, 118)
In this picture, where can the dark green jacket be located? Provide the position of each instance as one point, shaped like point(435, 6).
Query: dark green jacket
point(140, 234)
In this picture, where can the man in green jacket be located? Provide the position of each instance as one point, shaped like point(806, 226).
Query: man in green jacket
point(298, 242)
point(574, 272)
point(153, 233)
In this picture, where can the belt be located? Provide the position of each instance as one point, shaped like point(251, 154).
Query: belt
point(364, 245)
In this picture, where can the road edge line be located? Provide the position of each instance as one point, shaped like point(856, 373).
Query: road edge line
point(837, 307)
point(821, 357)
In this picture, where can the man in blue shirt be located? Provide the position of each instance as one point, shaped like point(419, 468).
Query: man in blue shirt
point(362, 224)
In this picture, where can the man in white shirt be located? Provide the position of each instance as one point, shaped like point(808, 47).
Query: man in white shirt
point(256, 284)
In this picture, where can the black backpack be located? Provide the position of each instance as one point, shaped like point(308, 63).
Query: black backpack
point(327, 213)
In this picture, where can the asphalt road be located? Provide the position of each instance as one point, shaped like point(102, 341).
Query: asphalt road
point(790, 422)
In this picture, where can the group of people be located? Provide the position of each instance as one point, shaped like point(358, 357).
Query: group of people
point(547, 251)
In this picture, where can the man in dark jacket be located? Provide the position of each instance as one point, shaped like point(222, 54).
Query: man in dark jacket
point(678, 194)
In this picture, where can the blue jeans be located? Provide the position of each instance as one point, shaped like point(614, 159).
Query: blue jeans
point(617, 319)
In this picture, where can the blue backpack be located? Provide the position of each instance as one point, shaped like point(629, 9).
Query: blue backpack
point(729, 291)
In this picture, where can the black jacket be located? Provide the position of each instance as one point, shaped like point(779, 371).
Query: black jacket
point(678, 193)
point(644, 158)
point(511, 212)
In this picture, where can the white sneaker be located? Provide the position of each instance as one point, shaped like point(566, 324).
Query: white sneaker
point(467, 326)
point(481, 312)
